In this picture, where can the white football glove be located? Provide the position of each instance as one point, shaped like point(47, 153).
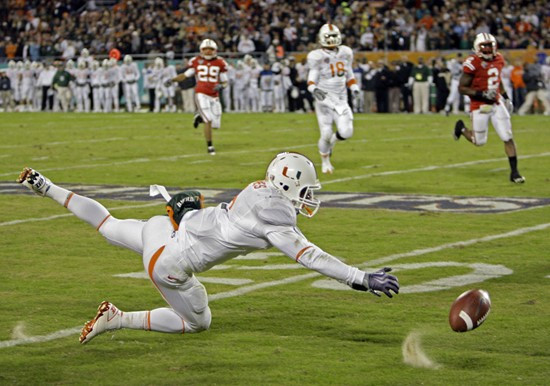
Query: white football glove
point(490, 95)
point(509, 105)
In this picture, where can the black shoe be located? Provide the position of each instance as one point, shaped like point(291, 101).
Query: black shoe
point(459, 126)
point(211, 150)
point(197, 120)
point(516, 178)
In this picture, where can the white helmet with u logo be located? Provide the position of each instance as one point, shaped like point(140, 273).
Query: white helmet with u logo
point(329, 36)
point(295, 177)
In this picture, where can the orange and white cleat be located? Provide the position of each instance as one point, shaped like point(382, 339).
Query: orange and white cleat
point(108, 317)
point(34, 181)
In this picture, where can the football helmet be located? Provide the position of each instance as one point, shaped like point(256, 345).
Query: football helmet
point(112, 62)
point(105, 64)
point(11, 64)
point(81, 64)
point(27, 65)
point(127, 59)
point(485, 46)
point(95, 65)
point(19, 65)
point(159, 63)
point(69, 65)
point(84, 53)
point(329, 36)
point(295, 177)
point(208, 44)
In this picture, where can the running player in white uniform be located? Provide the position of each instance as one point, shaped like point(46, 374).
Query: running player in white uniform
point(330, 73)
point(192, 240)
point(168, 87)
point(453, 100)
point(130, 78)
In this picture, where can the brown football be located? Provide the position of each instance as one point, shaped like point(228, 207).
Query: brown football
point(469, 310)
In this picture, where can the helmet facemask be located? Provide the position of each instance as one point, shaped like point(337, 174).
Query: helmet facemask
point(485, 46)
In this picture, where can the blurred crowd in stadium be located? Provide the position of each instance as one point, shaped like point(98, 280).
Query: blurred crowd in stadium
point(80, 34)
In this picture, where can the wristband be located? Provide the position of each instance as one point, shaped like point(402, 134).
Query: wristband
point(505, 95)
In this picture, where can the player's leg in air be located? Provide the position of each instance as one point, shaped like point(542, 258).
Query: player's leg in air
point(500, 118)
point(189, 312)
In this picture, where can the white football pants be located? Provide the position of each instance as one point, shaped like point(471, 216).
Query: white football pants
point(162, 260)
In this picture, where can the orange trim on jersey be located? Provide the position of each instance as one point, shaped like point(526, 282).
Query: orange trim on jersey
point(153, 261)
point(66, 203)
point(232, 202)
point(105, 219)
point(170, 212)
point(301, 252)
point(351, 81)
point(148, 320)
point(310, 83)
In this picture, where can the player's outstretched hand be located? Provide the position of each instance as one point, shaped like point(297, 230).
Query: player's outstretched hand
point(381, 281)
point(319, 94)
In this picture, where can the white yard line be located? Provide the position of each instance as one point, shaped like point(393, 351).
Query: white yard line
point(294, 279)
point(427, 168)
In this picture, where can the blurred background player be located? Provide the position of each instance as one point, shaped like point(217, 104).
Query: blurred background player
point(266, 87)
point(27, 86)
point(96, 78)
point(329, 73)
point(278, 88)
point(210, 73)
point(13, 74)
point(240, 87)
point(480, 81)
point(113, 74)
point(253, 86)
point(107, 96)
point(82, 87)
point(453, 100)
point(156, 80)
point(168, 87)
point(130, 78)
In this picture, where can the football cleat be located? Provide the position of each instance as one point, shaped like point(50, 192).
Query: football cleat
point(108, 317)
point(34, 181)
point(197, 120)
point(326, 166)
point(459, 126)
point(517, 178)
point(211, 150)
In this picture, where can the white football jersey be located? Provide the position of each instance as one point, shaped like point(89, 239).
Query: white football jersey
point(130, 72)
point(258, 217)
point(330, 70)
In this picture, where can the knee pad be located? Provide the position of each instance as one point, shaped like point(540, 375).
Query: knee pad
point(201, 323)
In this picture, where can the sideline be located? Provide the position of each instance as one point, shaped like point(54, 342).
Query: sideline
point(294, 279)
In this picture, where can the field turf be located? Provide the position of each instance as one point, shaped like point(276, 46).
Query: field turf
point(55, 269)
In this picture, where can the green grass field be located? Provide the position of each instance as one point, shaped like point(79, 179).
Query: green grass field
point(55, 270)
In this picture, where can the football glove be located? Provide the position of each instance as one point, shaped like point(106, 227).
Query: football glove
point(319, 94)
point(489, 95)
point(356, 93)
point(379, 281)
point(509, 105)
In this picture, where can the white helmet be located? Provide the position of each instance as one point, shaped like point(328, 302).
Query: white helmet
point(84, 53)
point(11, 65)
point(159, 63)
point(81, 64)
point(112, 62)
point(127, 59)
point(105, 64)
point(208, 43)
point(295, 177)
point(28, 65)
point(95, 65)
point(485, 46)
point(19, 65)
point(69, 65)
point(329, 36)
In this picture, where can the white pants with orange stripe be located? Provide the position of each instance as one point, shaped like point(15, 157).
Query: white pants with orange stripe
point(154, 240)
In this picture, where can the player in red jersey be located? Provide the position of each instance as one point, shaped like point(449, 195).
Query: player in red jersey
point(480, 81)
point(210, 73)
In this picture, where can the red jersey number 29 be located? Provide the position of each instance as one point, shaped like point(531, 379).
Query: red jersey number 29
point(208, 73)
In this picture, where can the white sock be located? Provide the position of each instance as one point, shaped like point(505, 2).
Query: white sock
point(160, 319)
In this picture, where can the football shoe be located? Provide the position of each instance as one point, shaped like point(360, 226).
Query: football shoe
point(108, 317)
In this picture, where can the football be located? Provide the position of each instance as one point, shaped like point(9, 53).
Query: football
point(469, 310)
